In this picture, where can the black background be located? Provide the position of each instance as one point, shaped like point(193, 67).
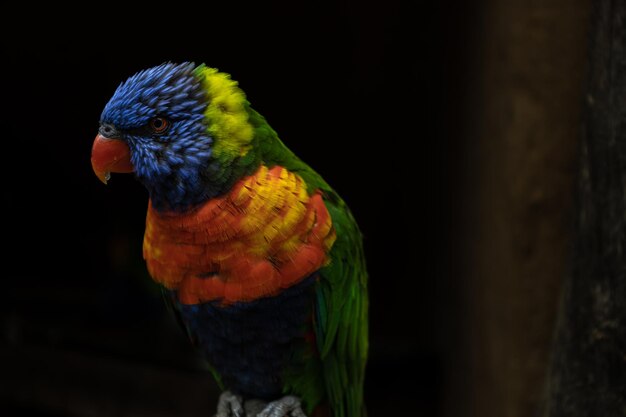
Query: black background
point(369, 95)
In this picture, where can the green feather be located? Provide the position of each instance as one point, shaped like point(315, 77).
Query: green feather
point(342, 330)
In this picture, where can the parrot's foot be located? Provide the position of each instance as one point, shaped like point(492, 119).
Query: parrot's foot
point(288, 406)
point(229, 405)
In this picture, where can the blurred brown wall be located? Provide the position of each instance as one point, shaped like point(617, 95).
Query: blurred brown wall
point(523, 128)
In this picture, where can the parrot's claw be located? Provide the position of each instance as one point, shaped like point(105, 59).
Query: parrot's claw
point(230, 405)
point(288, 406)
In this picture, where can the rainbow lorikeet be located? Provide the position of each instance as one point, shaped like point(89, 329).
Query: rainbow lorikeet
point(260, 260)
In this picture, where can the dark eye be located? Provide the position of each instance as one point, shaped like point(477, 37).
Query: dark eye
point(158, 125)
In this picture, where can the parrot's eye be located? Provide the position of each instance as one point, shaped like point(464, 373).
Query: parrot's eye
point(158, 125)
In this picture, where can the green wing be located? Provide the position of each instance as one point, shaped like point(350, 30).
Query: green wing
point(341, 323)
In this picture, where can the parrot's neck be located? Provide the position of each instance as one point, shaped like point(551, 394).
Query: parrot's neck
point(185, 188)
point(195, 182)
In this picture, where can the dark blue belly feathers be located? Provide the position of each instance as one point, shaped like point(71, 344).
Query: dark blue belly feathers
point(250, 344)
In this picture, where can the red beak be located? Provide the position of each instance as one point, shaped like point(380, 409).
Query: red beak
point(110, 155)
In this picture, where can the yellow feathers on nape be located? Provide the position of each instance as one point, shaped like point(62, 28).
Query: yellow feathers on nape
point(226, 114)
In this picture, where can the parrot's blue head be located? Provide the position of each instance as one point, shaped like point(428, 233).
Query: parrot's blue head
point(155, 126)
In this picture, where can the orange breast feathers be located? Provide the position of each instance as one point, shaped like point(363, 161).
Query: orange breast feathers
point(267, 234)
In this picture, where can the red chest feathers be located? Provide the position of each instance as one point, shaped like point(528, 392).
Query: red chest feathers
point(267, 234)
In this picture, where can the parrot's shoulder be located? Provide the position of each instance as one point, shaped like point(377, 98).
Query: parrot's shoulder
point(272, 151)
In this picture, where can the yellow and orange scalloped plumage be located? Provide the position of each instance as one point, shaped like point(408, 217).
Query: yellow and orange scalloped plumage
point(265, 235)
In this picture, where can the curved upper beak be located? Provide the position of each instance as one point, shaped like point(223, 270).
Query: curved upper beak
point(110, 155)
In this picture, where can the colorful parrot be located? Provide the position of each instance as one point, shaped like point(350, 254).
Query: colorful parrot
point(259, 259)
